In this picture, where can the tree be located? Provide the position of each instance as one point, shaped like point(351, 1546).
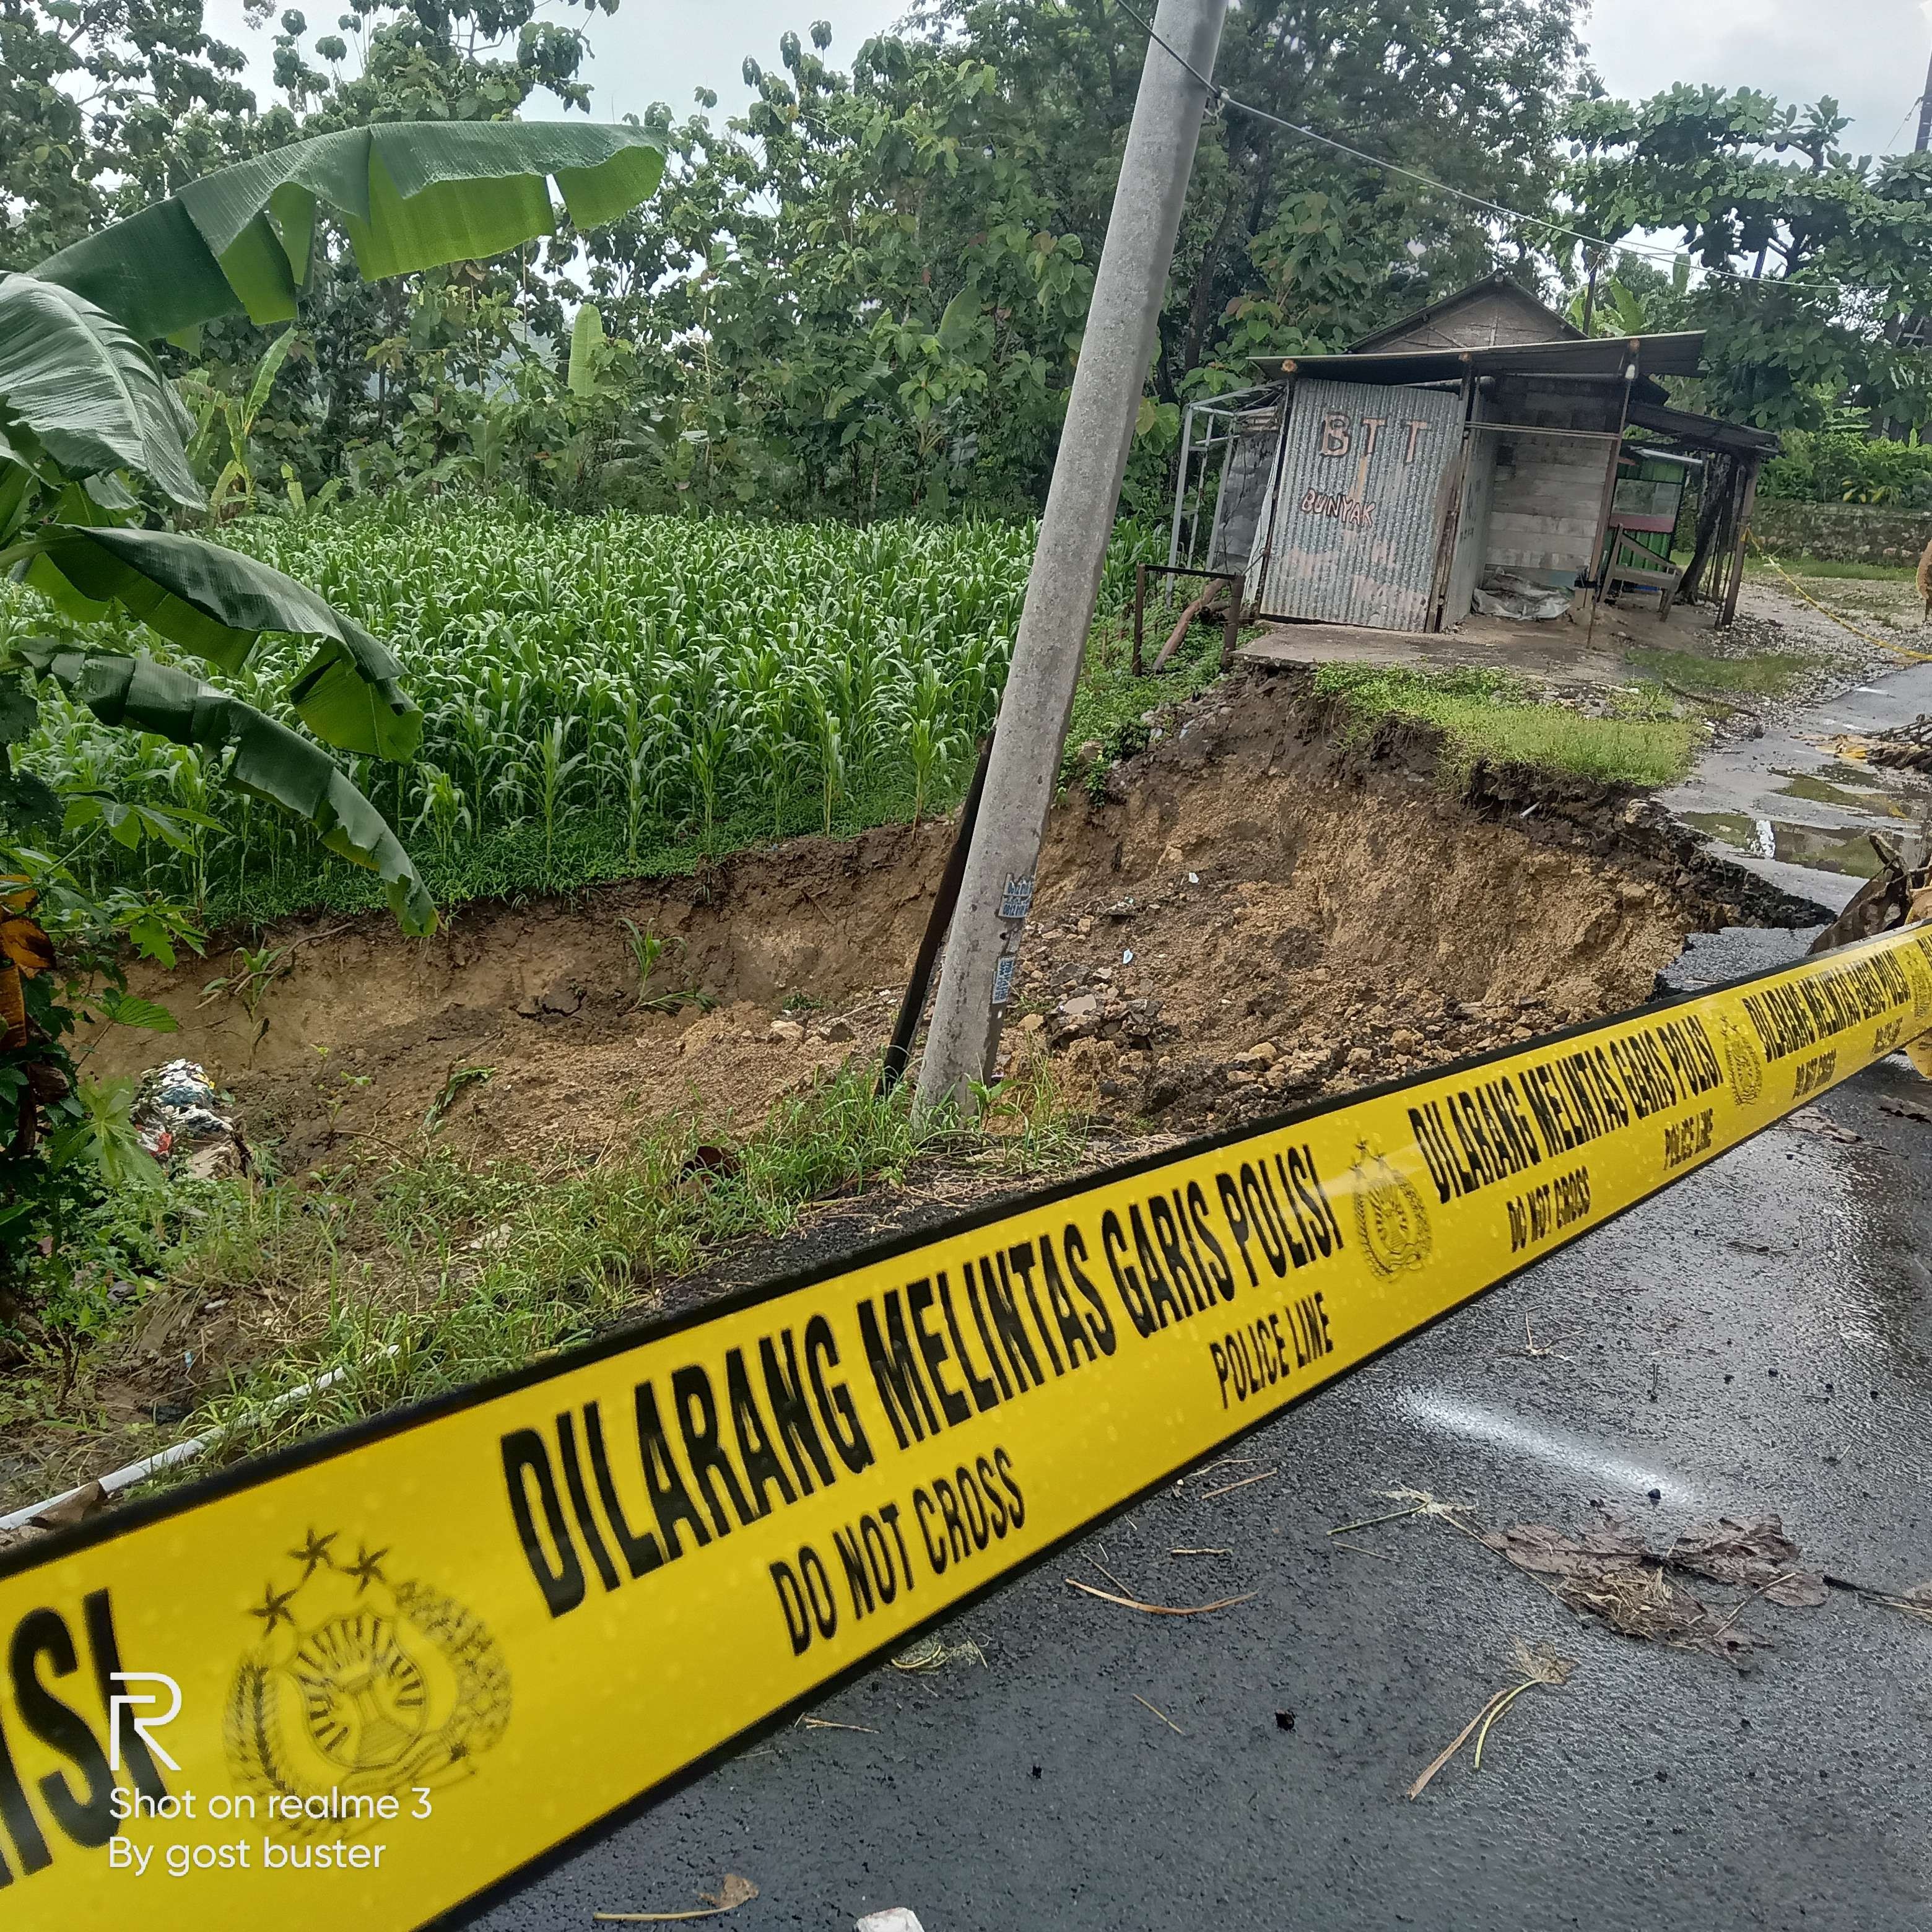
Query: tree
point(475, 61)
point(1808, 256)
point(785, 300)
point(865, 293)
point(92, 93)
point(1286, 245)
point(855, 294)
point(93, 451)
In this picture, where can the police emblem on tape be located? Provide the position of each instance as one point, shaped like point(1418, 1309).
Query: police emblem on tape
point(1389, 1214)
point(361, 1683)
point(1743, 1062)
point(1920, 975)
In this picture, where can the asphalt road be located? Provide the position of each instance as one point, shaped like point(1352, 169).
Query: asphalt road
point(1757, 1340)
point(1785, 806)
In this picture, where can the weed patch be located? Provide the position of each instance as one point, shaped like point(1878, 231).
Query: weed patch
point(1768, 675)
point(1823, 566)
point(390, 1285)
point(1111, 705)
point(1489, 716)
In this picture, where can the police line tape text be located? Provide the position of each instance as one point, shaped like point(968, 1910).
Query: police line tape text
point(716, 1448)
point(956, 1516)
point(1549, 1208)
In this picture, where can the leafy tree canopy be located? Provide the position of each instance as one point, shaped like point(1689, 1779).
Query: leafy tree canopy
point(867, 290)
point(864, 291)
point(1810, 258)
point(92, 93)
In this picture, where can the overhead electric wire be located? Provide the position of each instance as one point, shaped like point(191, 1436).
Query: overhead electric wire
point(1219, 98)
point(1890, 145)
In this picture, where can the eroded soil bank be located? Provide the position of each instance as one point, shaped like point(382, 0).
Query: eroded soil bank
point(1249, 914)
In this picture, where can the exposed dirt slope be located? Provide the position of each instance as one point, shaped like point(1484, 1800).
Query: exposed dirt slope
point(1333, 910)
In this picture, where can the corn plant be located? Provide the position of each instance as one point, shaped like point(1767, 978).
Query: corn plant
point(555, 770)
point(829, 742)
point(930, 746)
point(646, 948)
point(643, 680)
point(445, 809)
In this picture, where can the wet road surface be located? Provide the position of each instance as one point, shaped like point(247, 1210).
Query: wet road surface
point(1759, 1339)
point(1787, 807)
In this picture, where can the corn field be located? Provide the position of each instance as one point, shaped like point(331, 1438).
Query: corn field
point(603, 694)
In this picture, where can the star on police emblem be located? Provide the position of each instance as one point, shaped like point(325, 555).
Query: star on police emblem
point(1742, 1061)
point(360, 1682)
point(1389, 1214)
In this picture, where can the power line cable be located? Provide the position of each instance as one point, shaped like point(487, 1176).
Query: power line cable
point(1912, 109)
point(1220, 99)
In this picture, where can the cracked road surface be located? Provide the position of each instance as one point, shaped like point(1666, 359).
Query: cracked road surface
point(1786, 806)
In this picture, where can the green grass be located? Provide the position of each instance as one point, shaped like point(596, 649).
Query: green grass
point(1111, 705)
point(1800, 565)
point(1485, 716)
point(1769, 675)
point(425, 1273)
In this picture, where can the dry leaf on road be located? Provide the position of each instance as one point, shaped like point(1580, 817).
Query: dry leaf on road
point(1607, 1573)
point(732, 1891)
point(1756, 1555)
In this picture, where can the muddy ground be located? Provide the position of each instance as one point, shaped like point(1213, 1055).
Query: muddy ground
point(1256, 912)
point(1251, 914)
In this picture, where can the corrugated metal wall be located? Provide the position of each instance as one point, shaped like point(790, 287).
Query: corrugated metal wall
point(1353, 535)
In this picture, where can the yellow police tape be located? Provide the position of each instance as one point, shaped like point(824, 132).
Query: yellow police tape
point(409, 1660)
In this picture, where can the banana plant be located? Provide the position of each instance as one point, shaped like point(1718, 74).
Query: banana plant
point(85, 411)
point(236, 417)
point(94, 442)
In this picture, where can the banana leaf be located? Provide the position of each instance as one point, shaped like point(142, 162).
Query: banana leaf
point(88, 391)
point(216, 602)
point(411, 195)
point(268, 760)
point(586, 338)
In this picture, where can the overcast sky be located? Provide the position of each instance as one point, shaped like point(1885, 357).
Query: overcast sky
point(1870, 54)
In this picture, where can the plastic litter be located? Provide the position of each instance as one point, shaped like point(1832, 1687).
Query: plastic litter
point(894, 1918)
point(1503, 593)
point(178, 1116)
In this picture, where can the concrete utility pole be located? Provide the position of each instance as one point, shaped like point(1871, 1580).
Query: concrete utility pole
point(1925, 114)
point(982, 947)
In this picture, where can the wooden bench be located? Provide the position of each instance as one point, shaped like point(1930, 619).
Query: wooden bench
point(1663, 580)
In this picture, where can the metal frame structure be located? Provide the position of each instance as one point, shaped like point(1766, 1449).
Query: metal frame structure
point(1187, 496)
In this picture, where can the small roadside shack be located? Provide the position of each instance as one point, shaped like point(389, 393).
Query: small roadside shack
point(1473, 456)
